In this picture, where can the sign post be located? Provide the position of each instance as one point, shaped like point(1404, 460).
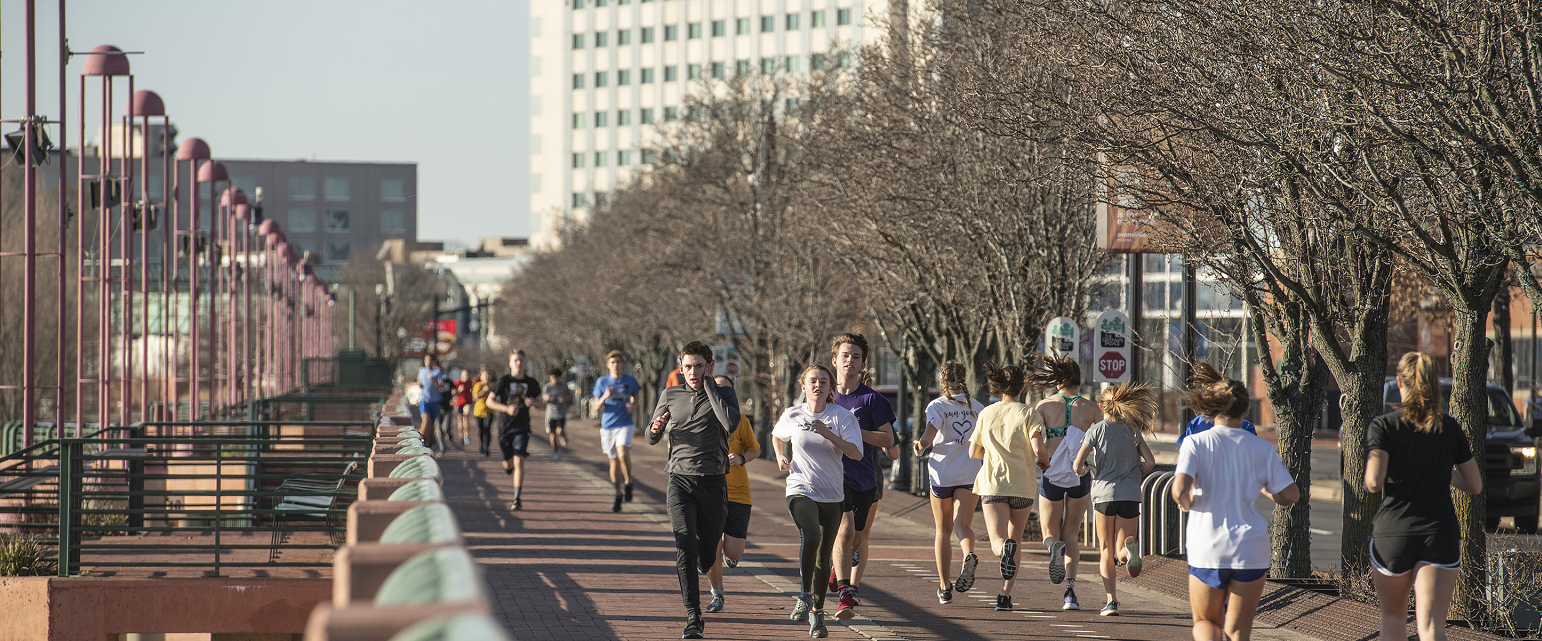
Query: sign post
point(1062, 338)
point(1111, 348)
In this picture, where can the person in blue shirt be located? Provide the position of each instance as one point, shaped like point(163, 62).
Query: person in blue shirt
point(617, 396)
point(430, 378)
point(1205, 377)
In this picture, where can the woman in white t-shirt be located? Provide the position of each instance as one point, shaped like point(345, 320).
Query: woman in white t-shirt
point(1221, 472)
point(809, 441)
point(949, 424)
point(1063, 494)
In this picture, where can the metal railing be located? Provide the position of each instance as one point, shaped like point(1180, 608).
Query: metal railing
point(347, 371)
point(1162, 524)
point(187, 494)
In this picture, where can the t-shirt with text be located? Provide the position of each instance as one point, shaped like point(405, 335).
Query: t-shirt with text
point(1416, 500)
point(1229, 465)
point(817, 471)
point(872, 411)
point(614, 413)
point(513, 390)
point(949, 464)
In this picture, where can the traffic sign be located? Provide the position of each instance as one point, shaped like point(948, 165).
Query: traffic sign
point(1111, 347)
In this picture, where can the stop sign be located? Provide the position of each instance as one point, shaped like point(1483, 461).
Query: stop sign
point(732, 368)
point(1112, 365)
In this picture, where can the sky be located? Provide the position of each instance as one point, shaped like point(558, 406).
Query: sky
point(441, 83)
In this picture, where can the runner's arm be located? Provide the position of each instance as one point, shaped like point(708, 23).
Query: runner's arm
point(881, 437)
point(781, 459)
point(1183, 491)
point(1376, 471)
point(1079, 465)
point(1467, 478)
point(926, 437)
point(1148, 460)
point(1286, 497)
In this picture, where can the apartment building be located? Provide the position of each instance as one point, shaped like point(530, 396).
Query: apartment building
point(337, 211)
point(606, 74)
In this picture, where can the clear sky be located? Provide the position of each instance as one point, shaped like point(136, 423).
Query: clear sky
point(439, 82)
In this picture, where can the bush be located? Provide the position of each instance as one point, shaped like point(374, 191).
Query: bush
point(25, 556)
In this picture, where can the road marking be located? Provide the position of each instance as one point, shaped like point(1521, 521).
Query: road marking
point(1092, 636)
point(1319, 532)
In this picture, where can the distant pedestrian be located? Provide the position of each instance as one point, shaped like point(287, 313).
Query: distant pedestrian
point(463, 407)
point(480, 390)
point(1115, 450)
point(1220, 474)
point(1063, 494)
point(558, 398)
point(736, 528)
point(1201, 420)
point(1416, 541)
point(513, 397)
point(616, 393)
point(1009, 439)
point(816, 436)
point(430, 380)
point(848, 355)
point(950, 471)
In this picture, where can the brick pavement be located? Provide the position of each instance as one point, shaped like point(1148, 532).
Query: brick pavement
point(566, 567)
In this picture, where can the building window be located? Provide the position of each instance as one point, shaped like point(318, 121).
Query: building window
point(578, 81)
point(599, 79)
point(717, 70)
point(742, 67)
point(816, 62)
point(842, 17)
point(816, 19)
point(578, 120)
point(647, 116)
point(647, 35)
point(578, 200)
point(599, 3)
point(601, 39)
point(623, 117)
point(302, 188)
point(792, 106)
point(337, 221)
point(578, 160)
point(693, 31)
point(601, 119)
point(623, 77)
point(393, 190)
point(623, 37)
point(623, 158)
point(845, 60)
point(767, 24)
point(792, 64)
point(647, 156)
point(302, 220)
point(742, 26)
point(671, 33)
point(792, 21)
point(336, 189)
point(393, 221)
point(247, 184)
point(601, 199)
point(693, 72)
point(339, 252)
point(599, 158)
point(578, 4)
point(671, 114)
point(671, 73)
point(647, 76)
point(719, 28)
point(578, 41)
point(768, 65)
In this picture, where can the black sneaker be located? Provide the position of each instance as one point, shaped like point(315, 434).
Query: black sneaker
point(1009, 559)
point(628, 495)
point(816, 625)
point(617, 506)
point(965, 580)
point(801, 608)
point(944, 595)
point(716, 605)
point(1003, 603)
point(694, 628)
point(516, 505)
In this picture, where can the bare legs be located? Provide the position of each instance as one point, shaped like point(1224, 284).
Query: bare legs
point(731, 547)
point(1112, 533)
point(1432, 588)
point(620, 468)
point(1003, 523)
point(953, 517)
point(1062, 521)
point(1239, 601)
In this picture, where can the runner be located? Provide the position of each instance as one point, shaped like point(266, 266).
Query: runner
point(430, 378)
point(513, 396)
point(1416, 542)
point(1220, 474)
point(736, 529)
point(1009, 440)
point(462, 403)
point(617, 395)
point(876, 418)
point(1204, 376)
point(698, 418)
point(1119, 458)
point(557, 397)
point(479, 393)
point(1063, 493)
point(950, 421)
point(811, 442)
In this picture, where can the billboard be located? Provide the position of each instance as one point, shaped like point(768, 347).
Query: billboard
point(1126, 224)
point(442, 333)
point(1111, 345)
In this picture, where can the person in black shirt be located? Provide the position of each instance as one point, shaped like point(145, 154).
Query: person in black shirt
point(512, 397)
point(698, 418)
point(1415, 538)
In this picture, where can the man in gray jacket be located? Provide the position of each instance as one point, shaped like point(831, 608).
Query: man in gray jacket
point(698, 418)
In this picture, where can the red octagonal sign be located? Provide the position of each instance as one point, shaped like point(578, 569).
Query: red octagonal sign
point(1112, 365)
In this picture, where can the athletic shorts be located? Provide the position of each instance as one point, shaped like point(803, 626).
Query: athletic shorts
point(1054, 492)
point(738, 523)
point(554, 424)
point(946, 491)
point(431, 408)
point(1394, 555)
point(1121, 509)
point(612, 439)
point(861, 502)
point(514, 443)
point(1219, 579)
point(1014, 502)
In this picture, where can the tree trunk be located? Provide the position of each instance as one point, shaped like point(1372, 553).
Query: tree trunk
point(1360, 378)
point(1469, 406)
point(1295, 387)
point(1504, 347)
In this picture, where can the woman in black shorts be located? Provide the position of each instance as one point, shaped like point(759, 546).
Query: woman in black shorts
point(1415, 538)
point(1063, 494)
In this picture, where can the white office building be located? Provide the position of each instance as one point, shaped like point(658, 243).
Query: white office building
point(606, 73)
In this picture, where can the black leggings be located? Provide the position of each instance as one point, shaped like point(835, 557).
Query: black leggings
point(484, 430)
point(698, 507)
point(817, 525)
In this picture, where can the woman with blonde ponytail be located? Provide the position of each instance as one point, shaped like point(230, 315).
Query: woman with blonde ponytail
point(950, 421)
point(1415, 538)
point(1115, 450)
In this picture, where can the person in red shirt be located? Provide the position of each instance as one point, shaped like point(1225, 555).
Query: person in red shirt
point(463, 406)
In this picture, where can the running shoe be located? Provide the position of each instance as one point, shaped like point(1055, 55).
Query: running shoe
point(856, 558)
point(1132, 557)
point(801, 607)
point(1003, 603)
point(716, 605)
point(729, 563)
point(628, 489)
point(1057, 562)
point(816, 625)
point(833, 587)
point(1070, 600)
point(694, 628)
point(516, 505)
point(563, 439)
point(556, 456)
point(465, 440)
point(847, 607)
point(617, 506)
point(944, 595)
point(1009, 559)
point(1110, 609)
point(965, 580)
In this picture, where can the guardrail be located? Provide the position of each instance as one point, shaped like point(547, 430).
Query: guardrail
point(1162, 524)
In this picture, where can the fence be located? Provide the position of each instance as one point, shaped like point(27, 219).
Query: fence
point(349, 370)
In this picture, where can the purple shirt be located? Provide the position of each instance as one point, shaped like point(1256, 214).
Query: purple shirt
point(872, 411)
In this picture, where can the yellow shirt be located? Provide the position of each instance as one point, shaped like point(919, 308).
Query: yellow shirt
point(742, 441)
point(479, 392)
point(1004, 431)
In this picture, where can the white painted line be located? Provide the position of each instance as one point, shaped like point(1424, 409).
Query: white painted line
point(1319, 532)
point(1092, 636)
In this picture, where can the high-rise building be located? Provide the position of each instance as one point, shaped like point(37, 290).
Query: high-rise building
point(605, 74)
point(337, 211)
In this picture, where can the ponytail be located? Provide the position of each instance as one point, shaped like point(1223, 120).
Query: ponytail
point(1213, 395)
point(1131, 403)
point(1005, 381)
point(1421, 402)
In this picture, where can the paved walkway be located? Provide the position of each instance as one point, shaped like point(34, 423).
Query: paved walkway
point(566, 567)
